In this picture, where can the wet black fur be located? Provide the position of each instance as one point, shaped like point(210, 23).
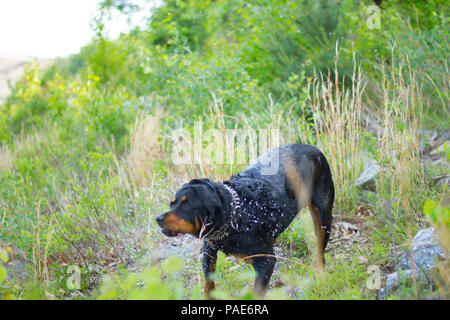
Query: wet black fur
point(268, 206)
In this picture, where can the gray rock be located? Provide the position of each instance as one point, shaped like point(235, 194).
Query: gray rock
point(371, 169)
point(393, 280)
point(17, 270)
point(436, 141)
point(443, 180)
point(424, 251)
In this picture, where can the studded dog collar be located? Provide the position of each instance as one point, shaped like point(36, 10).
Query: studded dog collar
point(235, 206)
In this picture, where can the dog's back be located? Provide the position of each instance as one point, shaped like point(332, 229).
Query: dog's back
point(296, 175)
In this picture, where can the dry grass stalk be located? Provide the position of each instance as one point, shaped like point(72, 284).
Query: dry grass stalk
point(337, 123)
point(145, 147)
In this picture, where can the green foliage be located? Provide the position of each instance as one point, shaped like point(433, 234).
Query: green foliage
point(4, 259)
point(70, 193)
point(181, 24)
point(293, 238)
point(6, 288)
point(147, 284)
point(437, 214)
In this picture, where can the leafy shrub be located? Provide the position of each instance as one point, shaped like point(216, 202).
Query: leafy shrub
point(6, 290)
point(148, 284)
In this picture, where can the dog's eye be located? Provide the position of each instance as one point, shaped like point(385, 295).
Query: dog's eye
point(185, 204)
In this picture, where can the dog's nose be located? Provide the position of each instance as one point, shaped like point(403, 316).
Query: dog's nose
point(160, 220)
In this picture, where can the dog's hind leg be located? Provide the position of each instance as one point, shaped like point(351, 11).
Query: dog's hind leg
point(320, 236)
point(311, 183)
point(321, 211)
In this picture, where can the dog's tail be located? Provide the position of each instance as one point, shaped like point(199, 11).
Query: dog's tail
point(301, 186)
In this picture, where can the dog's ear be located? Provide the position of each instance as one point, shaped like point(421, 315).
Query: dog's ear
point(205, 181)
point(213, 200)
point(214, 206)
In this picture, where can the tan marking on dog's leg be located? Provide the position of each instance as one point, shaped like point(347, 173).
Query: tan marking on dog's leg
point(209, 285)
point(320, 237)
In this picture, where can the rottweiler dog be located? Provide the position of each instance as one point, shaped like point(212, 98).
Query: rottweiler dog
point(244, 215)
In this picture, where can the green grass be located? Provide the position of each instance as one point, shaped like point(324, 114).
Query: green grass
point(85, 146)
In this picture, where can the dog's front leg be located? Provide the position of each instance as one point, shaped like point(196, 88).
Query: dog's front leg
point(209, 258)
point(263, 266)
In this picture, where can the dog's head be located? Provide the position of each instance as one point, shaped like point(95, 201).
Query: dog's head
point(196, 208)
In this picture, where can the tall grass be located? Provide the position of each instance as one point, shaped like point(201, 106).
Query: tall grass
point(342, 135)
point(402, 182)
point(107, 205)
point(336, 112)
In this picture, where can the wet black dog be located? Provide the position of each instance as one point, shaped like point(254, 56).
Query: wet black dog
point(244, 216)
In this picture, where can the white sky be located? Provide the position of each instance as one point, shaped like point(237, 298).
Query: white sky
point(50, 28)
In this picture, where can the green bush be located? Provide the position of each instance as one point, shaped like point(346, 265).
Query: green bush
point(148, 284)
point(65, 131)
point(6, 289)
